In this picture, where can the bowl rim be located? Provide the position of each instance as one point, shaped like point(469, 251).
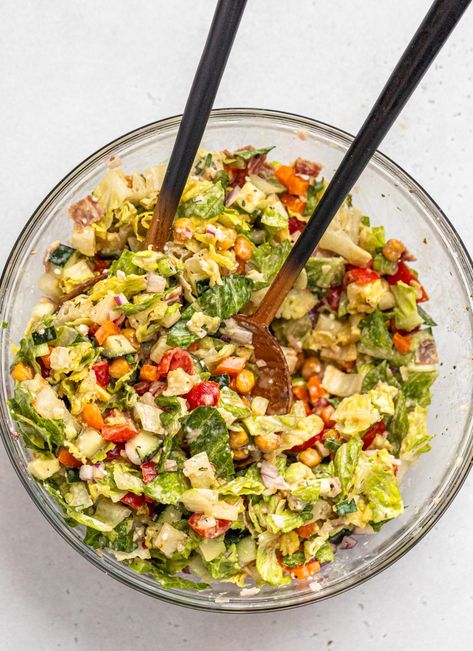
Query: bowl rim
point(299, 121)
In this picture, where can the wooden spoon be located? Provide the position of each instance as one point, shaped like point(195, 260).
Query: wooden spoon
point(274, 382)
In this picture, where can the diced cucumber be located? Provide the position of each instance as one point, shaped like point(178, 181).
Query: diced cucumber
point(117, 346)
point(110, 513)
point(246, 550)
point(198, 568)
point(61, 255)
point(44, 335)
point(171, 515)
point(142, 447)
point(43, 468)
point(89, 442)
point(42, 349)
point(210, 548)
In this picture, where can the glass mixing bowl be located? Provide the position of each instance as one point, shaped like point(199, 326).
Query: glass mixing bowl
point(390, 197)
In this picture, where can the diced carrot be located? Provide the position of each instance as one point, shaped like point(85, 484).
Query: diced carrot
point(401, 343)
point(92, 416)
point(293, 203)
point(306, 531)
point(22, 372)
point(230, 365)
point(46, 359)
point(66, 458)
point(294, 183)
point(300, 392)
point(149, 373)
point(304, 571)
point(326, 415)
point(316, 391)
point(106, 330)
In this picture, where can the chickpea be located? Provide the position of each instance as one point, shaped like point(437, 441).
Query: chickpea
point(393, 249)
point(243, 250)
point(310, 367)
point(310, 457)
point(267, 442)
point(118, 368)
point(245, 381)
point(241, 454)
point(238, 439)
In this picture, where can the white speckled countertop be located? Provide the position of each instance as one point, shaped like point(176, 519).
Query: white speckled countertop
point(76, 75)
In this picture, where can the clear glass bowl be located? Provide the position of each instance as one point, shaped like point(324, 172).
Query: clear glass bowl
point(390, 197)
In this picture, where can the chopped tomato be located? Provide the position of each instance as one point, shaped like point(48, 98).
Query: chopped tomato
point(100, 265)
point(66, 458)
point(204, 394)
point(106, 330)
point(406, 275)
point(92, 416)
point(316, 391)
point(148, 471)
point(295, 225)
point(307, 444)
point(142, 387)
point(306, 531)
point(118, 433)
point(361, 276)
point(149, 373)
point(293, 203)
point(333, 297)
point(102, 373)
point(401, 343)
point(230, 366)
point(372, 433)
point(133, 501)
point(174, 359)
point(208, 527)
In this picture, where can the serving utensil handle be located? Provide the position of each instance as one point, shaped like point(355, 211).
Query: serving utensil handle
point(426, 43)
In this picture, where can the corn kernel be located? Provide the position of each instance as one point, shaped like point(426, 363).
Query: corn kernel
point(245, 381)
point(310, 457)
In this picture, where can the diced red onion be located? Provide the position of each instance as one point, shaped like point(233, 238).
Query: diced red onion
point(157, 387)
point(211, 230)
point(120, 299)
point(155, 283)
point(271, 477)
point(232, 196)
point(86, 473)
point(348, 543)
point(120, 320)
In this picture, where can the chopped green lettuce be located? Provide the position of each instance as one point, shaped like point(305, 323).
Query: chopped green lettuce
point(167, 487)
point(325, 272)
point(205, 205)
point(417, 385)
point(375, 339)
point(267, 562)
point(406, 315)
point(205, 430)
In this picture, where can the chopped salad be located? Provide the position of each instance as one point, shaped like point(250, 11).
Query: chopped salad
point(133, 384)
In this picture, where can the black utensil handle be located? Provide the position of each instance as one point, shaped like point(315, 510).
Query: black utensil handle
point(204, 88)
point(419, 54)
